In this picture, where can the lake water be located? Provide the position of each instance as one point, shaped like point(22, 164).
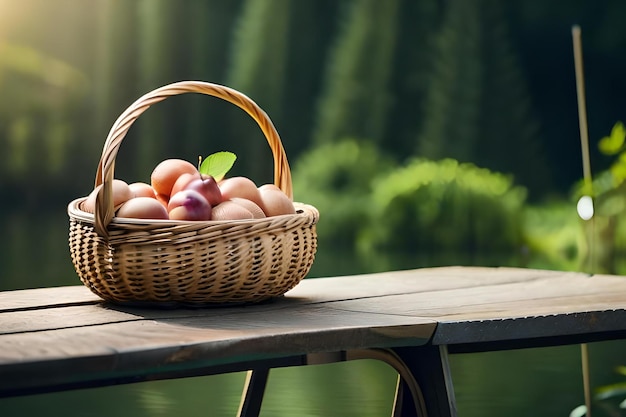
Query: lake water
point(529, 382)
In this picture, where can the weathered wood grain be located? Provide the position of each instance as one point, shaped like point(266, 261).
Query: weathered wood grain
point(67, 337)
point(138, 347)
point(477, 305)
point(39, 298)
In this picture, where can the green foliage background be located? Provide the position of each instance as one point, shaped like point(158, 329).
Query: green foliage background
point(367, 95)
point(430, 78)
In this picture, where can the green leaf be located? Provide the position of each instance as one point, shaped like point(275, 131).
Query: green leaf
point(621, 369)
point(610, 145)
point(611, 391)
point(218, 164)
point(618, 171)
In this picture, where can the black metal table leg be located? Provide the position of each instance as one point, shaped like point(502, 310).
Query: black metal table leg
point(429, 366)
point(253, 391)
point(424, 384)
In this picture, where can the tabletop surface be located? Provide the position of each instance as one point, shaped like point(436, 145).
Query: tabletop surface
point(66, 335)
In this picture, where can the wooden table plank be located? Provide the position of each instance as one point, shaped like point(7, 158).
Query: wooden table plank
point(449, 296)
point(423, 280)
point(321, 322)
point(82, 343)
point(349, 287)
point(39, 298)
point(461, 299)
point(477, 305)
point(88, 353)
point(66, 336)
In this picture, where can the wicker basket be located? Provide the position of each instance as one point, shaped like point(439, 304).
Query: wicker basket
point(167, 262)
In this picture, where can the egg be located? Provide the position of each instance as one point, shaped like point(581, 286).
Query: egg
point(251, 206)
point(142, 208)
point(269, 186)
point(121, 194)
point(142, 189)
point(229, 210)
point(276, 202)
point(241, 187)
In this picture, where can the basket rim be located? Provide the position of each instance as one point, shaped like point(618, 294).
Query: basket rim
point(302, 209)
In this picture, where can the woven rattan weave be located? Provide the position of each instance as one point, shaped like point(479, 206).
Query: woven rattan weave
point(166, 262)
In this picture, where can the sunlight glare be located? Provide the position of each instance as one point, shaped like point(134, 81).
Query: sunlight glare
point(13, 13)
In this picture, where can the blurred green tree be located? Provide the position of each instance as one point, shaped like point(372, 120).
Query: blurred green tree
point(428, 206)
point(210, 29)
point(41, 97)
point(259, 55)
point(418, 24)
point(356, 99)
point(478, 107)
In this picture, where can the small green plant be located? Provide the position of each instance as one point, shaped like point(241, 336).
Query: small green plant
point(614, 145)
point(609, 183)
point(611, 399)
point(608, 190)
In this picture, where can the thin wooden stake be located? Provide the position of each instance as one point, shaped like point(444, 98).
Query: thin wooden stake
point(582, 112)
point(584, 142)
point(584, 356)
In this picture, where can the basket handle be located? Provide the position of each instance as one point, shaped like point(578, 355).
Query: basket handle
point(104, 210)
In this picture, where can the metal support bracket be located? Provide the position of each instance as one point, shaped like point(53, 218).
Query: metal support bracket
point(256, 380)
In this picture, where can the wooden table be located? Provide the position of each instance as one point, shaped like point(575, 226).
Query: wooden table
point(62, 338)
